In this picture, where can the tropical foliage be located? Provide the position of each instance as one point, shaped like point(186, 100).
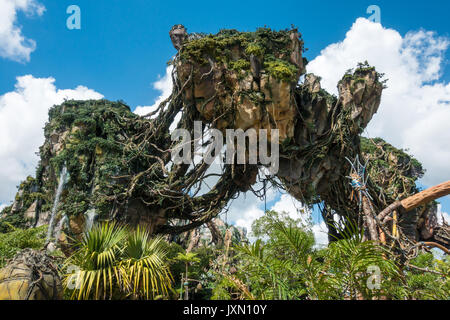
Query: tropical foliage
point(15, 239)
point(282, 261)
point(115, 262)
point(285, 264)
point(433, 285)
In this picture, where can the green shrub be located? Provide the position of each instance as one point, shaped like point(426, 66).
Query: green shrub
point(18, 239)
point(281, 69)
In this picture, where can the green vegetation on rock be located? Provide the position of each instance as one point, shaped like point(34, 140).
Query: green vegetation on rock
point(14, 240)
point(273, 47)
point(281, 69)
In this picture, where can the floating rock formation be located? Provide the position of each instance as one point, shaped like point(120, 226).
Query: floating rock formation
point(243, 80)
point(120, 166)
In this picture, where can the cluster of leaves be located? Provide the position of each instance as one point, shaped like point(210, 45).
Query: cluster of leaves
point(15, 220)
point(281, 69)
point(118, 263)
point(429, 285)
point(283, 263)
point(240, 64)
point(13, 239)
point(392, 170)
point(272, 47)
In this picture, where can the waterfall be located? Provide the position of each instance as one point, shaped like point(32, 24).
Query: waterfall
point(62, 182)
point(91, 214)
point(60, 226)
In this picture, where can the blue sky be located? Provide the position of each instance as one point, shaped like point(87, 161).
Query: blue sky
point(123, 46)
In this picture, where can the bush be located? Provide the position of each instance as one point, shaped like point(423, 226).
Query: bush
point(18, 239)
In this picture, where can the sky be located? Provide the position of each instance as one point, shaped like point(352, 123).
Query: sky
point(121, 50)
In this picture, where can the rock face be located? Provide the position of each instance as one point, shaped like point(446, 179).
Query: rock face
point(327, 130)
point(243, 80)
point(85, 137)
point(31, 275)
point(213, 233)
point(178, 35)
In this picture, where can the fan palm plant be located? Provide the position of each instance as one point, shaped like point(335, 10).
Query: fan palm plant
point(144, 267)
point(114, 262)
point(352, 262)
point(97, 260)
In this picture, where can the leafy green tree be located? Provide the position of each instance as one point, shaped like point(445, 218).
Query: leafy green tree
point(187, 258)
point(283, 264)
point(428, 278)
point(202, 270)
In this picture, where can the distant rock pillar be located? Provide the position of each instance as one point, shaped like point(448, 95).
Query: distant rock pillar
point(178, 35)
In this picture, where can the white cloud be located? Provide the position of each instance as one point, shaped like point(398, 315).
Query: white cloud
point(442, 216)
point(246, 215)
point(13, 44)
point(415, 112)
point(164, 85)
point(293, 207)
point(247, 208)
point(320, 231)
point(23, 113)
point(297, 210)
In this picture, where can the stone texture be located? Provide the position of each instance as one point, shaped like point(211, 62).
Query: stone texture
point(216, 232)
point(30, 212)
point(31, 275)
point(215, 88)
